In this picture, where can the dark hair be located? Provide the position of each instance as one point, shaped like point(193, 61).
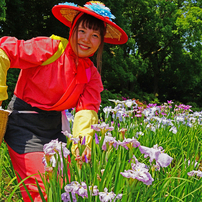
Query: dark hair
point(92, 23)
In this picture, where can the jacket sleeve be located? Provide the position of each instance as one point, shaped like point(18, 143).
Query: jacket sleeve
point(22, 54)
point(87, 108)
point(4, 66)
point(30, 53)
point(90, 99)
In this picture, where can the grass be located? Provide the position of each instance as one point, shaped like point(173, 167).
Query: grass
point(8, 180)
point(171, 183)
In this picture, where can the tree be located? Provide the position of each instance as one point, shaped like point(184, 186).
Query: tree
point(166, 35)
point(2, 10)
point(162, 56)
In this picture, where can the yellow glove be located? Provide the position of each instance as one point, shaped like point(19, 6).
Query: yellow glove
point(82, 127)
point(4, 66)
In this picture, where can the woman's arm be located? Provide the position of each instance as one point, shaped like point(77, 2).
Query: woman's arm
point(22, 54)
point(30, 53)
point(4, 66)
point(87, 108)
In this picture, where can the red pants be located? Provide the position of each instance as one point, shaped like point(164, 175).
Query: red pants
point(26, 165)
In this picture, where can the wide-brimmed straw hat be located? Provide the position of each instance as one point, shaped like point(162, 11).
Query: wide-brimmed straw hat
point(65, 12)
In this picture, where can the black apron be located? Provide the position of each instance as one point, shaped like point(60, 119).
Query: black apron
point(28, 132)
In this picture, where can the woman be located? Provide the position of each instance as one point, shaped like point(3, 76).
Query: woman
point(55, 75)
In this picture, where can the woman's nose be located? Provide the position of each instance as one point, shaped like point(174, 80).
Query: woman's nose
point(86, 38)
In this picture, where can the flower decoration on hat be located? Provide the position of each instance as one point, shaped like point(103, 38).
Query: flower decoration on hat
point(68, 4)
point(100, 9)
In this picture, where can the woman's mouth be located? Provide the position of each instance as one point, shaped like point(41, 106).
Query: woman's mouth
point(83, 47)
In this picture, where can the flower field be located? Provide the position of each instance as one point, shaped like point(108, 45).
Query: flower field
point(139, 153)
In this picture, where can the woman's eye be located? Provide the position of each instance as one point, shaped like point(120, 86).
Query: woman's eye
point(95, 35)
point(81, 30)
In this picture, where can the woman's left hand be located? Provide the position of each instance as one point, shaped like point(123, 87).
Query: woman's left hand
point(86, 152)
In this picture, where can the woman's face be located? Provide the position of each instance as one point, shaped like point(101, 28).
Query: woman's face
point(88, 41)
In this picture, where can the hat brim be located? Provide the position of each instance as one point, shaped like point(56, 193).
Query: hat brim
point(66, 13)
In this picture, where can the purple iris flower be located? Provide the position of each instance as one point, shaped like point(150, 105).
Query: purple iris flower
point(106, 196)
point(76, 188)
point(54, 147)
point(107, 110)
point(86, 159)
point(96, 139)
point(195, 172)
point(128, 143)
point(94, 190)
point(75, 140)
point(156, 153)
point(111, 140)
point(103, 127)
point(66, 197)
point(67, 134)
point(140, 172)
point(84, 141)
point(169, 101)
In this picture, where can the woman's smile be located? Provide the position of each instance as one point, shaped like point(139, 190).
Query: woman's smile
point(84, 47)
point(87, 42)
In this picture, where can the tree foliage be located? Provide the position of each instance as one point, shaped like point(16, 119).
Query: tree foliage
point(2, 10)
point(162, 57)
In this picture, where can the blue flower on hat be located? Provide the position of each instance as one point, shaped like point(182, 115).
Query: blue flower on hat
point(69, 4)
point(100, 9)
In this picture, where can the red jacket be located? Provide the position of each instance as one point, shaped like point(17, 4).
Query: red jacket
point(58, 86)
